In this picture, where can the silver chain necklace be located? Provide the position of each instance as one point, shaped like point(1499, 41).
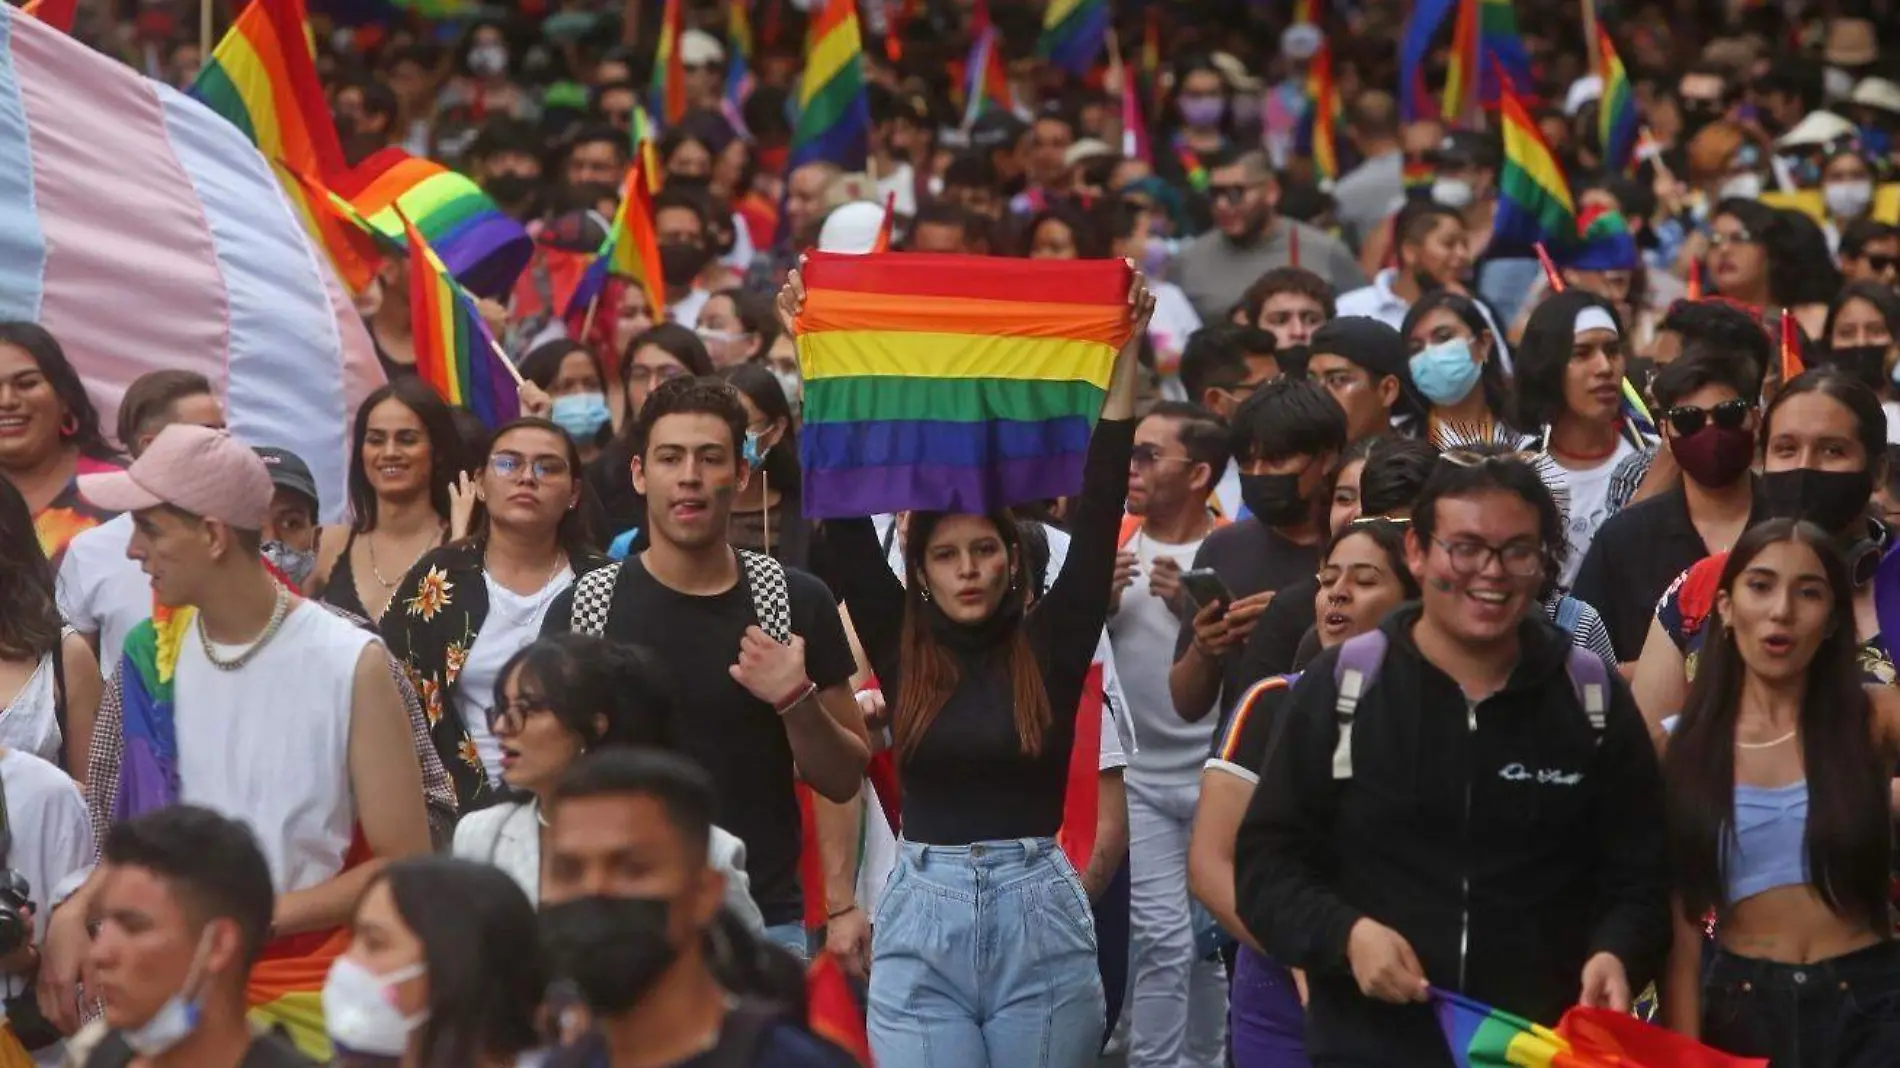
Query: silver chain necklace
point(279, 609)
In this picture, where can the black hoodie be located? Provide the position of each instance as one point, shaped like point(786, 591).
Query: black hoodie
point(1504, 843)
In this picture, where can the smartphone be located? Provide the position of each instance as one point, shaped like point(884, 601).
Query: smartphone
point(1204, 587)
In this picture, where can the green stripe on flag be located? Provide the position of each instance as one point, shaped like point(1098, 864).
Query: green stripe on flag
point(216, 91)
point(865, 398)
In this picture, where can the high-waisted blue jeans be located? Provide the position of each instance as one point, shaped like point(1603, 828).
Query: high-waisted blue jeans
point(983, 956)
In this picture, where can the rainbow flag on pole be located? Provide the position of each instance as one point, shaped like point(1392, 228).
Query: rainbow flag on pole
point(834, 121)
point(485, 249)
point(455, 353)
point(955, 383)
point(263, 79)
point(1323, 113)
point(1617, 121)
point(1534, 203)
point(632, 250)
point(987, 80)
point(1073, 32)
point(669, 67)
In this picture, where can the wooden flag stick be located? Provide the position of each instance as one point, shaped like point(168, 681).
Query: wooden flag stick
point(204, 31)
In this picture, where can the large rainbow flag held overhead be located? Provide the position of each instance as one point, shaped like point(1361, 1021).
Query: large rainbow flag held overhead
point(951, 382)
point(455, 353)
point(485, 249)
point(834, 120)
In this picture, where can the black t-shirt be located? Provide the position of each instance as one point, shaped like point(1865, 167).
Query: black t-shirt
point(1273, 647)
point(733, 735)
point(1249, 557)
point(1240, 749)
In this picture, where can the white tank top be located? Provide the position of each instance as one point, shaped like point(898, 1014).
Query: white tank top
point(269, 743)
point(29, 723)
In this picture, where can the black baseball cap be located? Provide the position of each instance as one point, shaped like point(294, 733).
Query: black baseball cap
point(289, 472)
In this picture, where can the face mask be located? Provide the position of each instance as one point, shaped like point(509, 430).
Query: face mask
point(681, 262)
point(509, 188)
point(1831, 500)
point(581, 414)
point(1865, 362)
point(1849, 199)
point(296, 564)
point(690, 183)
point(1744, 186)
point(1202, 112)
point(489, 61)
point(359, 1009)
point(177, 1018)
point(1445, 372)
point(754, 452)
point(1453, 193)
point(613, 948)
point(791, 383)
point(1274, 499)
point(1715, 456)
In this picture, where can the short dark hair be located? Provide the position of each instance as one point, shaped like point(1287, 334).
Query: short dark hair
point(1395, 474)
point(1389, 536)
point(1724, 327)
point(1857, 235)
point(971, 170)
point(1253, 340)
point(1213, 358)
point(151, 397)
point(1702, 364)
point(579, 676)
point(597, 132)
point(1287, 280)
point(1418, 218)
point(683, 200)
point(1501, 470)
point(682, 788)
point(676, 341)
point(211, 864)
point(1203, 434)
point(480, 944)
point(690, 395)
point(1288, 417)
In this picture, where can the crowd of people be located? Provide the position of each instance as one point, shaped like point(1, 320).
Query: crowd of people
point(1445, 614)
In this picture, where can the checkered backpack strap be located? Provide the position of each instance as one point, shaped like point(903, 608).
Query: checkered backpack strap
point(771, 599)
point(593, 595)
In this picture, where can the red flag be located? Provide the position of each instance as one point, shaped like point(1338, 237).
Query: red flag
point(831, 1010)
point(55, 13)
point(1082, 799)
point(811, 862)
point(1790, 347)
point(1602, 1036)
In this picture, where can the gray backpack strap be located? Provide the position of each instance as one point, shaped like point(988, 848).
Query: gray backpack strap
point(1353, 673)
point(1591, 679)
point(593, 596)
point(1569, 614)
point(771, 598)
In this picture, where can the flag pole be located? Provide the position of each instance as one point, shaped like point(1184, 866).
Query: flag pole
point(204, 31)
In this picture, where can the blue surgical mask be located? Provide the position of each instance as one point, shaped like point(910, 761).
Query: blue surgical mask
point(581, 414)
point(1445, 373)
point(754, 452)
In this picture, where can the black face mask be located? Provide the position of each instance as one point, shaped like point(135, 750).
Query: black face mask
point(613, 948)
point(1867, 363)
point(1831, 500)
point(1275, 499)
point(691, 183)
point(681, 262)
point(510, 188)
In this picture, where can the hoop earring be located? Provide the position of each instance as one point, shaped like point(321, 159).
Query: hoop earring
point(69, 426)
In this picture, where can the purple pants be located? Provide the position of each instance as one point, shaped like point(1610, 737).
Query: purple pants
point(1264, 1020)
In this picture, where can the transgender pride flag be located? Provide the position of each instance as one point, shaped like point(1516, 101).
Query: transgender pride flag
point(145, 231)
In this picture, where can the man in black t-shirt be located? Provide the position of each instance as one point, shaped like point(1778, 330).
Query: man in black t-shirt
point(751, 708)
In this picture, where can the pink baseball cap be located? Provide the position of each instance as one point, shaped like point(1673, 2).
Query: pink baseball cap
point(197, 469)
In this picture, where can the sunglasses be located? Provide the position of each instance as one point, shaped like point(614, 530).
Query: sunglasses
point(1687, 419)
point(1146, 456)
point(1219, 193)
point(1883, 264)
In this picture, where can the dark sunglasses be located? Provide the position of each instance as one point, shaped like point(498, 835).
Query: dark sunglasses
point(1729, 415)
point(1883, 264)
point(1227, 192)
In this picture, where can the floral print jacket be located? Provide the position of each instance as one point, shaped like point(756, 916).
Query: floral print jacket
point(430, 625)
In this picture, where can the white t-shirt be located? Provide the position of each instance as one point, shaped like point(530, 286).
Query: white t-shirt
point(1175, 320)
point(1143, 634)
point(513, 623)
point(1892, 408)
point(101, 591)
point(1587, 508)
point(52, 844)
point(269, 743)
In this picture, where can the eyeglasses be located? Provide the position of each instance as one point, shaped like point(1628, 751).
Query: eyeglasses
point(1740, 237)
point(1686, 419)
point(511, 465)
point(1521, 559)
point(1146, 456)
point(1340, 381)
point(512, 716)
point(1233, 191)
point(643, 376)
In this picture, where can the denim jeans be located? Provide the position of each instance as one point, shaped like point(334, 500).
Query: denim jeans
point(793, 938)
point(1843, 1012)
point(1265, 1017)
point(1178, 1016)
point(984, 956)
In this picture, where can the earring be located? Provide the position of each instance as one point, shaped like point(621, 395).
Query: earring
point(69, 426)
point(924, 591)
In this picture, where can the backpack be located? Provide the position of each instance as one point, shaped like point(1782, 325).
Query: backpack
point(1569, 614)
point(1361, 658)
point(764, 579)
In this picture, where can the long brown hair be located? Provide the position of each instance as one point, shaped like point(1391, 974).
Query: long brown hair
point(29, 618)
point(928, 671)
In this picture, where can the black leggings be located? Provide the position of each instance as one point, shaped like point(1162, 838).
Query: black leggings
point(1843, 1012)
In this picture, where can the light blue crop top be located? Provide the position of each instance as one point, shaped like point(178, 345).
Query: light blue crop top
point(1769, 848)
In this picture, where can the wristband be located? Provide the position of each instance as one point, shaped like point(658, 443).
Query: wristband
point(797, 698)
point(846, 911)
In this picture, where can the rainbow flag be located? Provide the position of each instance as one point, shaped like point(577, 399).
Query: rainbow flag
point(645, 147)
point(669, 67)
point(738, 60)
point(1073, 32)
point(262, 78)
point(956, 383)
point(1135, 143)
point(1417, 176)
point(1617, 121)
point(485, 249)
point(834, 122)
point(986, 77)
point(1421, 28)
point(1534, 202)
point(455, 353)
point(1461, 66)
point(1484, 1037)
point(632, 250)
point(366, 242)
point(1323, 113)
point(1487, 56)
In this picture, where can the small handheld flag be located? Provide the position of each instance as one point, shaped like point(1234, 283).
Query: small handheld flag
point(455, 353)
point(1790, 347)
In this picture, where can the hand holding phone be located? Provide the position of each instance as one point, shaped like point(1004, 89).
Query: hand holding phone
point(1204, 587)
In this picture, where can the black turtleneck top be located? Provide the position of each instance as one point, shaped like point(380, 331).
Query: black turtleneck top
point(968, 779)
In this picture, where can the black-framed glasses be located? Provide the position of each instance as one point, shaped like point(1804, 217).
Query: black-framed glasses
point(1686, 419)
point(512, 717)
point(511, 465)
point(1146, 455)
point(1469, 556)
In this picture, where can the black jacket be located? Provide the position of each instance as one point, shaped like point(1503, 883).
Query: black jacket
point(1523, 838)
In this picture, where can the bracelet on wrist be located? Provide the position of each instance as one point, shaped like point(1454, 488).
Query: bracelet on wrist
point(846, 911)
point(797, 697)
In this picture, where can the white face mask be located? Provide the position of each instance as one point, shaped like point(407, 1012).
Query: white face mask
point(1744, 186)
point(359, 1009)
point(178, 1017)
point(1452, 192)
point(1849, 199)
